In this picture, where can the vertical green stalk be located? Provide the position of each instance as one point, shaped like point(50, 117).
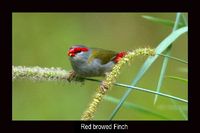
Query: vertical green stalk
point(166, 59)
point(179, 16)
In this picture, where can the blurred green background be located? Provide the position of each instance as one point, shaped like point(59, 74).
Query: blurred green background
point(42, 39)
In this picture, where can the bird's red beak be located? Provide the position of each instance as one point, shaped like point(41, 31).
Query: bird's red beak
point(71, 53)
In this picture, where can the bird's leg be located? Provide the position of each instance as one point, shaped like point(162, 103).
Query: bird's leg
point(73, 76)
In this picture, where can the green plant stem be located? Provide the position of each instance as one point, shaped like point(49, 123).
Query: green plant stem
point(144, 90)
point(184, 19)
point(174, 58)
point(39, 74)
point(179, 109)
point(178, 78)
point(161, 47)
point(166, 60)
point(162, 21)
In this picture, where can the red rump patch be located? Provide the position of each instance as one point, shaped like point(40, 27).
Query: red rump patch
point(119, 56)
point(73, 51)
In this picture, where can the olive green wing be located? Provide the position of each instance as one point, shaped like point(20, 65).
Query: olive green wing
point(104, 55)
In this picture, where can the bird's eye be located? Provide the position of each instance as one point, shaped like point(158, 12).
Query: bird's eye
point(78, 51)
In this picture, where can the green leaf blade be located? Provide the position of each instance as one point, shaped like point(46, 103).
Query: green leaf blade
point(162, 21)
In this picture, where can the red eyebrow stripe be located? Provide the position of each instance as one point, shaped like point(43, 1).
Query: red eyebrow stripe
point(73, 51)
point(84, 49)
point(79, 49)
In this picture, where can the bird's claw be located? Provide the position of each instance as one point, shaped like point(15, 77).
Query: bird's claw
point(73, 76)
